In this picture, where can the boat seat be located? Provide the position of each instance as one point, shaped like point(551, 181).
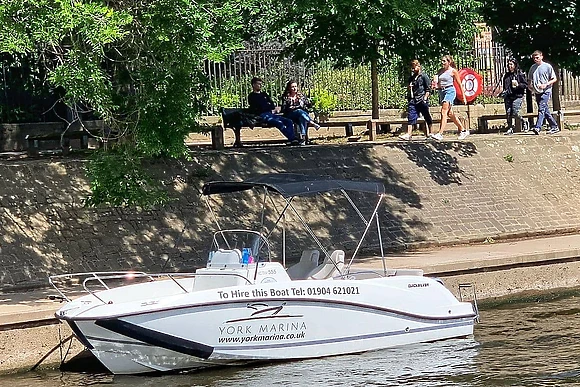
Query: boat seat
point(225, 258)
point(308, 261)
point(331, 266)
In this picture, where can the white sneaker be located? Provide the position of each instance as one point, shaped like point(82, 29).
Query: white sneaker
point(405, 137)
point(437, 136)
point(525, 126)
point(463, 134)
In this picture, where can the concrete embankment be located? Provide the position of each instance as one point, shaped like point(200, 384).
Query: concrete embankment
point(472, 194)
point(490, 187)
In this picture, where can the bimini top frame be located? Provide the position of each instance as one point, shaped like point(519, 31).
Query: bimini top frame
point(290, 185)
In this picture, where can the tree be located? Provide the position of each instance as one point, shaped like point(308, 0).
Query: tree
point(551, 26)
point(135, 64)
point(371, 31)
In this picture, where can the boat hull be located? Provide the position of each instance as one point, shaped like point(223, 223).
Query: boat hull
point(278, 322)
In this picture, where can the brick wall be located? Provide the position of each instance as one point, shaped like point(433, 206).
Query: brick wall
point(438, 193)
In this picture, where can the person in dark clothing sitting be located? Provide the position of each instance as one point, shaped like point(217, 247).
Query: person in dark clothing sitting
point(261, 104)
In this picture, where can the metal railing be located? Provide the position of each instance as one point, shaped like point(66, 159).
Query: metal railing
point(110, 280)
point(230, 80)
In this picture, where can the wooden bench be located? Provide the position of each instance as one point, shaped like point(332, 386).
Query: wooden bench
point(248, 120)
point(348, 125)
point(483, 121)
point(235, 119)
point(36, 136)
point(564, 113)
point(374, 124)
point(559, 116)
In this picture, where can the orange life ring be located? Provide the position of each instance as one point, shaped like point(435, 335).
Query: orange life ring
point(472, 84)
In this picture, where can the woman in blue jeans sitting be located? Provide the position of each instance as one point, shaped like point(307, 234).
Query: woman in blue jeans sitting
point(294, 105)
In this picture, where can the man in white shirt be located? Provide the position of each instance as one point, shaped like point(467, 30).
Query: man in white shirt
point(541, 77)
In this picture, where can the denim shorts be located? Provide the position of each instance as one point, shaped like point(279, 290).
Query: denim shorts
point(447, 95)
point(417, 108)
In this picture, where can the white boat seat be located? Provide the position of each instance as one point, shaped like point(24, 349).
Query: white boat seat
point(331, 266)
point(308, 261)
point(225, 258)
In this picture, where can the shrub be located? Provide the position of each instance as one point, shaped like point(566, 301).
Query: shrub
point(323, 101)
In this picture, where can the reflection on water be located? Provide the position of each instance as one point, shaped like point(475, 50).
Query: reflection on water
point(532, 343)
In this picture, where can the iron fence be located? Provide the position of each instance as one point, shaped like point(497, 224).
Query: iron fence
point(352, 86)
point(230, 81)
point(489, 59)
point(569, 86)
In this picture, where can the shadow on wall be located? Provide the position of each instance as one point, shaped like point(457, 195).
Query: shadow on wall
point(436, 158)
point(46, 230)
point(329, 215)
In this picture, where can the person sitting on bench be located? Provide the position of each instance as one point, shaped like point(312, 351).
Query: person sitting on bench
point(295, 106)
point(261, 104)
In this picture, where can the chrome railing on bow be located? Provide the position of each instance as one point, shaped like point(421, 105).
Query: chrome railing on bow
point(115, 279)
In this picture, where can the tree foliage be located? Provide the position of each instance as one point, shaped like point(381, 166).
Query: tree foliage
point(551, 26)
point(349, 32)
point(118, 179)
point(135, 64)
point(360, 31)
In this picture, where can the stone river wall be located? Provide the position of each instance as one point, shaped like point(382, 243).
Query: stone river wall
point(488, 187)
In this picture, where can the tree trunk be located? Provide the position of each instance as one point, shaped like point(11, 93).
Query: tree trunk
point(530, 106)
point(556, 90)
point(375, 87)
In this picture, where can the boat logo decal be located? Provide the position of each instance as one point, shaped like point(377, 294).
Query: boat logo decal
point(419, 285)
point(263, 311)
point(266, 322)
point(260, 307)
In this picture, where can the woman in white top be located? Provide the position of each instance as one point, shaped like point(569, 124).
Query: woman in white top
point(447, 94)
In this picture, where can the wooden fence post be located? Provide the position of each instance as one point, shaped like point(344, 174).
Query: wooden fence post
point(217, 137)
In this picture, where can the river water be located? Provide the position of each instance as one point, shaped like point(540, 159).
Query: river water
point(527, 342)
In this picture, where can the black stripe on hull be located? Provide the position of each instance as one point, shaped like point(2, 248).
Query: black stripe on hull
point(335, 303)
point(79, 335)
point(157, 339)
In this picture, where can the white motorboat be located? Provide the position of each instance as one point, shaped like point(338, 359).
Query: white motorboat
point(245, 307)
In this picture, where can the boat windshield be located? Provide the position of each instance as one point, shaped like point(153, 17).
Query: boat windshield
point(255, 244)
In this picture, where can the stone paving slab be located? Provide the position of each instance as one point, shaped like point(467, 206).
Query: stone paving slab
point(26, 306)
point(30, 306)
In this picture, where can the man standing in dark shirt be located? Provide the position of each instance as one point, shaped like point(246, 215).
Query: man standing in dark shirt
point(418, 93)
point(261, 104)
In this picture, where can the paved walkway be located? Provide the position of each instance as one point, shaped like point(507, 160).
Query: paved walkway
point(35, 307)
point(456, 259)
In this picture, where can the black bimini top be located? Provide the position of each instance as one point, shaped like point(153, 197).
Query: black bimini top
point(291, 184)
